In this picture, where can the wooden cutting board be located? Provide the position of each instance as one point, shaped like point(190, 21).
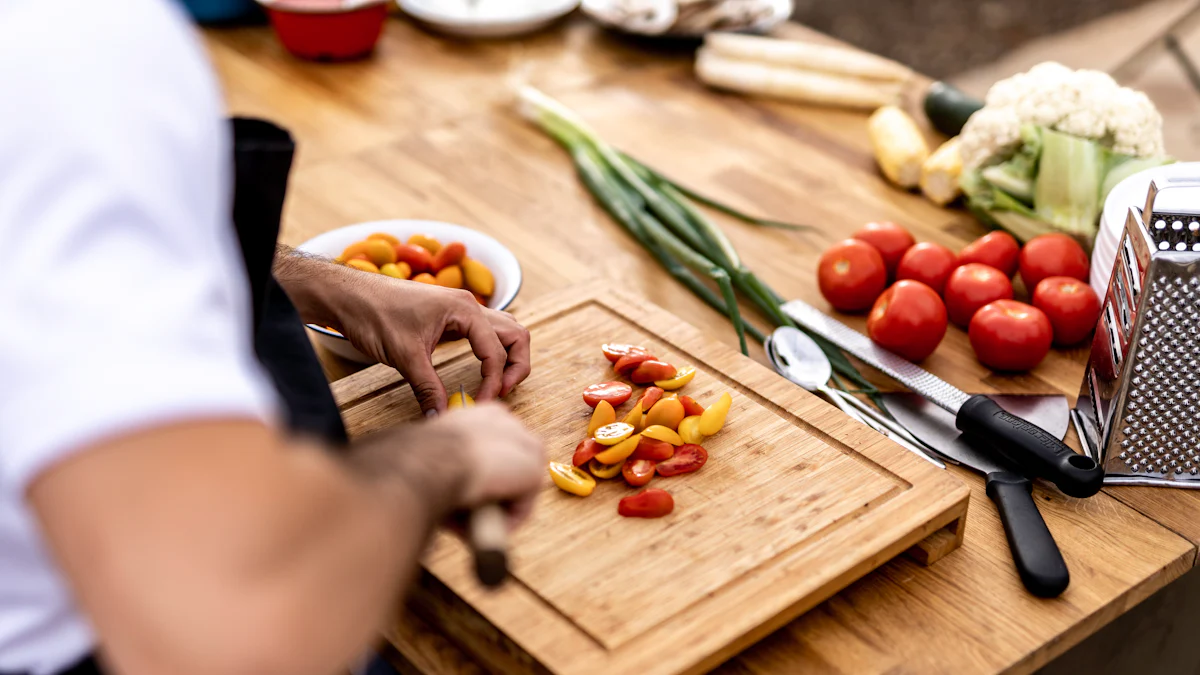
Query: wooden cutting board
point(796, 502)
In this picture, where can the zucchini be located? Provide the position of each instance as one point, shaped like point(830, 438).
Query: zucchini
point(948, 108)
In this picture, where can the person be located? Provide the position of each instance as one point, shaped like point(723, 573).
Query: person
point(175, 495)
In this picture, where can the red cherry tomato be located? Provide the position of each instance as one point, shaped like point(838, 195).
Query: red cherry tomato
point(586, 450)
point(972, 286)
point(614, 351)
point(928, 263)
point(649, 503)
point(417, 258)
point(997, 249)
point(653, 450)
point(690, 407)
point(688, 457)
point(615, 393)
point(908, 319)
point(652, 371)
point(626, 364)
point(637, 472)
point(450, 254)
point(1072, 307)
point(1052, 255)
point(1010, 335)
point(889, 239)
point(851, 275)
point(650, 397)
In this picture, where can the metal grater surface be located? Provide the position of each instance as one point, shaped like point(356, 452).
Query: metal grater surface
point(916, 378)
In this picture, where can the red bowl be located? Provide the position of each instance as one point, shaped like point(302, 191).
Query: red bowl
point(328, 36)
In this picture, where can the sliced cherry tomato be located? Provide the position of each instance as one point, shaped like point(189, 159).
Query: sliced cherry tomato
point(690, 407)
point(615, 393)
point(1052, 255)
point(667, 412)
point(636, 417)
point(713, 418)
point(689, 429)
point(650, 397)
point(450, 254)
point(996, 249)
point(928, 263)
point(602, 416)
point(585, 451)
point(614, 433)
point(601, 470)
point(1071, 305)
point(1009, 335)
point(682, 377)
point(619, 452)
point(637, 472)
point(908, 319)
point(688, 458)
point(418, 259)
point(613, 351)
point(653, 449)
point(628, 363)
point(662, 433)
point(972, 286)
point(649, 503)
point(652, 371)
point(891, 240)
point(572, 480)
point(851, 275)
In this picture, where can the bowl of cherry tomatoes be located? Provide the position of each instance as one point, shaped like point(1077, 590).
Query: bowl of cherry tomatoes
point(422, 251)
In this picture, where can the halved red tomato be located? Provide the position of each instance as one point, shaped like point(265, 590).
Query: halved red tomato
point(626, 364)
point(615, 393)
point(690, 407)
point(652, 370)
point(688, 458)
point(650, 397)
point(613, 352)
point(638, 472)
point(649, 503)
point(586, 450)
point(653, 450)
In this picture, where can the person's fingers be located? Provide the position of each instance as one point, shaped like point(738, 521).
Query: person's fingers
point(488, 349)
point(417, 369)
point(520, 510)
point(515, 339)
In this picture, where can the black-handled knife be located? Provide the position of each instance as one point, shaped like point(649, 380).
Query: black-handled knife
point(1030, 449)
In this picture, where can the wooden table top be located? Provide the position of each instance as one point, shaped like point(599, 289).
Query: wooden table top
point(427, 129)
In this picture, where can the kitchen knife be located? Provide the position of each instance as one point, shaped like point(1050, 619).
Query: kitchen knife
point(1026, 446)
point(1039, 562)
point(487, 535)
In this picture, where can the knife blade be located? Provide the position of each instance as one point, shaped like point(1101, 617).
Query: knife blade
point(1035, 451)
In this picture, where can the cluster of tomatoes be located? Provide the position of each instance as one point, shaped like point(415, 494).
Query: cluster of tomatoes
point(422, 259)
point(659, 436)
point(930, 285)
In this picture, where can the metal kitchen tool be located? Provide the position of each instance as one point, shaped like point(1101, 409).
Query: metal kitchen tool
point(1136, 411)
point(1030, 448)
point(1039, 562)
point(795, 356)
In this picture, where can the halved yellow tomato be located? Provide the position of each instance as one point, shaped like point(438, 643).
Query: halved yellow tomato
point(603, 415)
point(636, 417)
point(668, 412)
point(602, 470)
point(682, 377)
point(619, 452)
point(713, 418)
point(689, 430)
point(460, 400)
point(611, 434)
point(572, 480)
point(661, 433)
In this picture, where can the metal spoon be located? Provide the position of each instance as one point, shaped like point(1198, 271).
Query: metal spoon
point(796, 357)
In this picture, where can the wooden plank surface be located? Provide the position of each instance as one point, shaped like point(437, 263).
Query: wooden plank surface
point(796, 501)
point(389, 138)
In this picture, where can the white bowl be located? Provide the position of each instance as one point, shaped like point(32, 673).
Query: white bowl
point(487, 18)
point(481, 247)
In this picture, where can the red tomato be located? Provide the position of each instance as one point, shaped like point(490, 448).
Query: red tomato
point(613, 351)
point(650, 397)
point(688, 458)
point(417, 258)
point(1071, 305)
point(1052, 255)
point(586, 450)
point(690, 407)
point(851, 275)
point(653, 450)
point(889, 239)
point(450, 254)
point(652, 371)
point(649, 503)
point(997, 249)
point(972, 286)
point(908, 319)
point(1010, 335)
point(615, 393)
point(638, 472)
point(928, 263)
point(626, 364)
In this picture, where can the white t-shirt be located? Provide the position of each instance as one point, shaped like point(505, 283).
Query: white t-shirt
point(122, 293)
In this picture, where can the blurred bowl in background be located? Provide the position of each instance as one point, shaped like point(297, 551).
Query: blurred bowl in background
point(487, 18)
point(219, 11)
point(327, 30)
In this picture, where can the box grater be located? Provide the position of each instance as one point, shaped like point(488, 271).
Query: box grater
point(1137, 408)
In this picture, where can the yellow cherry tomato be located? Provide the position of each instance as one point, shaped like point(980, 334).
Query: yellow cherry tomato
point(380, 252)
point(619, 452)
point(661, 433)
point(426, 242)
point(399, 270)
point(450, 277)
point(636, 418)
point(614, 433)
point(356, 249)
point(385, 237)
point(425, 278)
point(689, 430)
point(668, 412)
point(601, 470)
point(573, 480)
point(713, 417)
point(362, 265)
point(682, 377)
point(478, 277)
point(602, 416)
point(460, 401)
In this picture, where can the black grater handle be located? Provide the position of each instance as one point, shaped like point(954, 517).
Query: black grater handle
point(1031, 449)
point(1038, 560)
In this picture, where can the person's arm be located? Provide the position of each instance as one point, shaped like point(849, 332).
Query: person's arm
point(400, 322)
point(218, 547)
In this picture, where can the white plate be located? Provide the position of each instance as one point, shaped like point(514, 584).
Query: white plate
point(485, 249)
point(487, 18)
